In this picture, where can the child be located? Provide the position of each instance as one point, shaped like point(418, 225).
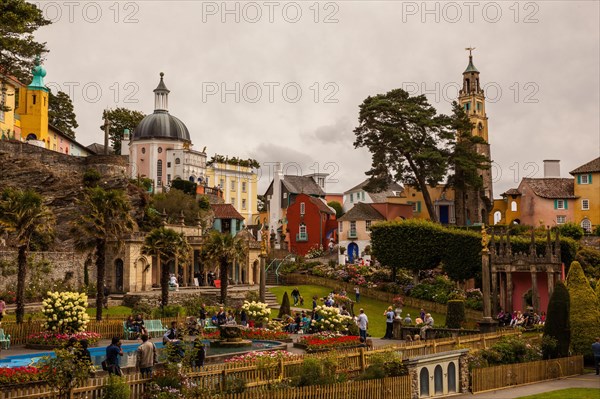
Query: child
point(301, 301)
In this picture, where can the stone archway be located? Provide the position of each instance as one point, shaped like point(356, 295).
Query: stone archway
point(119, 266)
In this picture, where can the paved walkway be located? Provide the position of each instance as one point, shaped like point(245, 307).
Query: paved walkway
point(579, 381)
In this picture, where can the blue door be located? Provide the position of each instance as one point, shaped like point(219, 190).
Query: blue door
point(352, 252)
point(444, 214)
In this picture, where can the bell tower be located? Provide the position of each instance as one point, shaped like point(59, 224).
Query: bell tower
point(33, 106)
point(474, 204)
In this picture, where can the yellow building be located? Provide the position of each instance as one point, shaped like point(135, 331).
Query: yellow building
point(508, 209)
point(9, 125)
point(443, 202)
point(587, 189)
point(239, 185)
point(33, 107)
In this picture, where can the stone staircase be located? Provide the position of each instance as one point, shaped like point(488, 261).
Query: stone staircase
point(271, 300)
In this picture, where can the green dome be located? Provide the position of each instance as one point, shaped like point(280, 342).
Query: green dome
point(39, 72)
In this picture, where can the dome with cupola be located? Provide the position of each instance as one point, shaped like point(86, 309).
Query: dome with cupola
point(161, 124)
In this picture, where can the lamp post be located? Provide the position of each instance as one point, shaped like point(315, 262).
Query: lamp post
point(263, 259)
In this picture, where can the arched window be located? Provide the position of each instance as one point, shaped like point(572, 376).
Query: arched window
point(497, 217)
point(424, 382)
point(451, 377)
point(513, 206)
point(177, 161)
point(159, 172)
point(586, 225)
point(438, 379)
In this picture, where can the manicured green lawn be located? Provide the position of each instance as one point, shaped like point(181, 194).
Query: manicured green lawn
point(570, 393)
point(373, 308)
point(113, 311)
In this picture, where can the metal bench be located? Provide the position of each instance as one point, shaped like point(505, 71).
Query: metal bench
point(4, 339)
point(153, 327)
point(209, 326)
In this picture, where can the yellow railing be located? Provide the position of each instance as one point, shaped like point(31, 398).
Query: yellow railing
point(490, 378)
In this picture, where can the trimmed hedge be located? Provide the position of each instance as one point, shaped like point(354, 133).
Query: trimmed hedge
point(417, 244)
point(584, 316)
point(557, 324)
point(455, 316)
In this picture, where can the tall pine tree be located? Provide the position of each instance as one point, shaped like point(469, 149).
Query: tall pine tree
point(61, 113)
point(121, 119)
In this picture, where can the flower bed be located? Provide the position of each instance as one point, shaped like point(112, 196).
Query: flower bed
point(319, 342)
point(255, 334)
point(53, 340)
point(257, 311)
point(65, 312)
point(19, 375)
point(330, 319)
point(252, 357)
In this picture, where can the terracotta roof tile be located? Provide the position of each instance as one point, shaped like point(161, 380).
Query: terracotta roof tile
point(322, 205)
point(511, 191)
point(590, 167)
point(302, 184)
point(225, 211)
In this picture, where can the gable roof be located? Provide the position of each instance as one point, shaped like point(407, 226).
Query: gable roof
point(362, 211)
point(225, 211)
point(380, 196)
point(554, 187)
point(590, 167)
point(322, 205)
point(511, 191)
point(302, 184)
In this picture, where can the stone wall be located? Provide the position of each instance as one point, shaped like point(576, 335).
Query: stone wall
point(62, 264)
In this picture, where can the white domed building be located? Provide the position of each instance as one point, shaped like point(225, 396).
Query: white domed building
point(160, 146)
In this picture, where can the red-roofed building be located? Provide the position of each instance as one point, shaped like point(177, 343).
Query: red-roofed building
point(227, 219)
point(310, 223)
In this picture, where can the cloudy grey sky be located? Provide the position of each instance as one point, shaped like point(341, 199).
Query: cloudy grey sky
point(282, 81)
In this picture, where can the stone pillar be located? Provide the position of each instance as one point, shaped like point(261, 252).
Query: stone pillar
point(414, 380)
point(509, 292)
point(263, 279)
point(494, 297)
point(463, 373)
point(550, 283)
point(534, 291)
point(487, 324)
point(502, 291)
point(397, 330)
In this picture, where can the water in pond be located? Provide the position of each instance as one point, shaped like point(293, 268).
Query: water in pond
point(128, 359)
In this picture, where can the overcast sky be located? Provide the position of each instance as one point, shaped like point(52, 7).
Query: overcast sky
point(282, 81)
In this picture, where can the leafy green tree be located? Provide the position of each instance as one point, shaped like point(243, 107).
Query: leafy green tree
point(19, 20)
point(61, 113)
point(121, 119)
point(65, 371)
point(187, 187)
point(23, 215)
point(584, 317)
point(572, 230)
point(174, 203)
point(224, 249)
point(104, 217)
point(166, 244)
point(557, 325)
point(339, 211)
point(589, 258)
point(409, 142)
point(455, 316)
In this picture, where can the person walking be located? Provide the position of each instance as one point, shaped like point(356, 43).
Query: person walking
point(389, 323)
point(296, 295)
point(146, 357)
point(357, 294)
point(596, 350)
point(202, 318)
point(363, 324)
point(113, 354)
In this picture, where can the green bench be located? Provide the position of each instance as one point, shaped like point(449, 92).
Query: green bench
point(209, 326)
point(154, 328)
point(4, 339)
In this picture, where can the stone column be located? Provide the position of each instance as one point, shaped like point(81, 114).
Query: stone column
point(487, 324)
point(550, 283)
point(534, 291)
point(494, 297)
point(263, 279)
point(464, 373)
point(509, 292)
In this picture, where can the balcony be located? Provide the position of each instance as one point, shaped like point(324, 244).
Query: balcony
point(301, 237)
point(352, 234)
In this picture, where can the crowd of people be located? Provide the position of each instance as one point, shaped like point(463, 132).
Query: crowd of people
point(517, 318)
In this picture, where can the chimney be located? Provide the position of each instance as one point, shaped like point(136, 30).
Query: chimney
point(551, 168)
point(275, 211)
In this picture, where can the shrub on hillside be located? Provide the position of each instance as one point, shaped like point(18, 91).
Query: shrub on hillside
point(584, 316)
point(589, 259)
point(557, 324)
point(571, 230)
point(455, 316)
point(509, 350)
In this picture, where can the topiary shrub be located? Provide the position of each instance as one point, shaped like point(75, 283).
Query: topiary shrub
point(584, 317)
point(557, 324)
point(455, 316)
point(284, 309)
point(589, 258)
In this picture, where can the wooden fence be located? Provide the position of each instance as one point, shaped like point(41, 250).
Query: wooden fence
point(490, 378)
point(351, 362)
point(299, 279)
point(396, 387)
point(106, 328)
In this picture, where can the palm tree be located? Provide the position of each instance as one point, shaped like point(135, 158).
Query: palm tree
point(104, 218)
point(224, 249)
point(166, 244)
point(23, 213)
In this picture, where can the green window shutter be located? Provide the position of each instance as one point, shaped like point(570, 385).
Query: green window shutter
point(590, 178)
point(555, 204)
point(418, 206)
point(578, 179)
point(566, 206)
